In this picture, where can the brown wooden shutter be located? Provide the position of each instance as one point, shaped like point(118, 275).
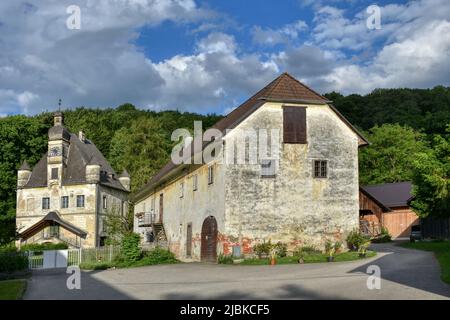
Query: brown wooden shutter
point(294, 125)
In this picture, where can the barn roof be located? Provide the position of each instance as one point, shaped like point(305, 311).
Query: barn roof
point(285, 88)
point(392, 195)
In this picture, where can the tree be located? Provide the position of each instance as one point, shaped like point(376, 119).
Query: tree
point(390, 156)
point(118, 225)
point(142, 149)
point(21, 138)
point(431, 179)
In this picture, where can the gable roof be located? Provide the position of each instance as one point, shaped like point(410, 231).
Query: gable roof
point(392, 195)
point(284, 88)
point(80, 154)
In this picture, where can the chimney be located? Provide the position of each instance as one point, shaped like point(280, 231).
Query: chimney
point(81, 136)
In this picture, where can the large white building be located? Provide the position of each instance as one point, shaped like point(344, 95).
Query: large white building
point(305, 195)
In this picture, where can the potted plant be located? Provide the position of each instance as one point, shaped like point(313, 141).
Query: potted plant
point(330, 250)
point(362, 250)
point(273, 257)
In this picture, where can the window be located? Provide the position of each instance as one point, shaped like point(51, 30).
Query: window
point(294, 125)
point(54, 173)
point(45, 203)
point(210, 175)
point(194, 182)
point(267, 168)
point(152, 205)
point(80, 201)
point(181, 189)
point(320, 168)
point(64, 202)
point(105, 202)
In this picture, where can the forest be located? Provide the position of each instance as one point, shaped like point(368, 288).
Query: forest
point(409, 132)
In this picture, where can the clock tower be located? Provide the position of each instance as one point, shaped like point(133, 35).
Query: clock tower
point(58, 146)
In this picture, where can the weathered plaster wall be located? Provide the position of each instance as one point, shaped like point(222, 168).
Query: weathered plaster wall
point(294, 207)
point(29, 207)
point(194, 207)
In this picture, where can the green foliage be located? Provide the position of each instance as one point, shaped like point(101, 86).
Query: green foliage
point(12, 289)
point(43, 246)
point(142, 149)
point(355, 239)
point(95, 265)
point(11, 261)
point(280, 249)
point(225, 259)
point(130, 249)
point(158, 256)
point(332, 247)
point(391, 154)
point(305, 250)
point(117, 225)
point(431, 179)
point(427, 109)
point(263, 248)
point(383, 237)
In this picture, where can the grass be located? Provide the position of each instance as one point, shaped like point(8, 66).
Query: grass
point(12, 289)
point(442, 251)
point(310, 258)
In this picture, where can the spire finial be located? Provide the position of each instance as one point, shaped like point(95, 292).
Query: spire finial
point(59, 104)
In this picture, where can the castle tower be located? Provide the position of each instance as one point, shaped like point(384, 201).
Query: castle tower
point(58, 146)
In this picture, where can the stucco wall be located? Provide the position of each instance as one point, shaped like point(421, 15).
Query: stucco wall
point(294, 207)
point(194, 207)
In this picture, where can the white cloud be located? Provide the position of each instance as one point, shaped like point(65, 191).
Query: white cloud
point(285, 34)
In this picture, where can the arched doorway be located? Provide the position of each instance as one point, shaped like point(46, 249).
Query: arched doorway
point(209, 240)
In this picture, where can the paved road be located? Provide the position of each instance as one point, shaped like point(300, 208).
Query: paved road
point(406, 274)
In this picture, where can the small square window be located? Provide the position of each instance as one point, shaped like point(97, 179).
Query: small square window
point(320, 169)
point(54, 173)
point(80, 201)
point(46, 203)
point(268, 168)
point(64, 202)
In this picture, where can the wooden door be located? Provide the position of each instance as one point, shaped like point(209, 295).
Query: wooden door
point(161, 207)
point(209, 240)
point(189, 240)
point(399, 222)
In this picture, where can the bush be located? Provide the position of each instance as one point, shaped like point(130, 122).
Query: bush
point(261, 249)
point(225, 259)
point(304, 250)
point(43, 246)
point(383, 237)
point(280, 249)
point(12, 261)
point(95, 265)
point(131, 250)
point(355, 238)
point(158, 256)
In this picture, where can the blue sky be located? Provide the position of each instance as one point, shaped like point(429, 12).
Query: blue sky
point(208, 56)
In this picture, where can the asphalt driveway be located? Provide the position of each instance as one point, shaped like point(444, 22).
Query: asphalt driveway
point(405, 273)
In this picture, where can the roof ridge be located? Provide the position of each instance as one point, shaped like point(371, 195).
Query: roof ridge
point(304, 85)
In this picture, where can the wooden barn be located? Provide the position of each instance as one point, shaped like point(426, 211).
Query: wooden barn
point(386, 205)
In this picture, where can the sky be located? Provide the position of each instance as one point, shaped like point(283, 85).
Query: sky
point(209, 56)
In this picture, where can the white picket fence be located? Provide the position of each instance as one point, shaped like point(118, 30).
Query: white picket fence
point(70, 257)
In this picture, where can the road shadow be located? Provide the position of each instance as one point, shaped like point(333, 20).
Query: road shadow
point(285, 292)
point(412, 268)
point(51, 284)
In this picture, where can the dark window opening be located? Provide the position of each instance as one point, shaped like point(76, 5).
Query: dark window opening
point(64, 202)
point(320, 168)
point(45, 203)
point(54, 173)
point(294, 125)
point(80, 201)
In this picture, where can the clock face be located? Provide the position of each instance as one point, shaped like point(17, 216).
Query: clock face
point(55, 151)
